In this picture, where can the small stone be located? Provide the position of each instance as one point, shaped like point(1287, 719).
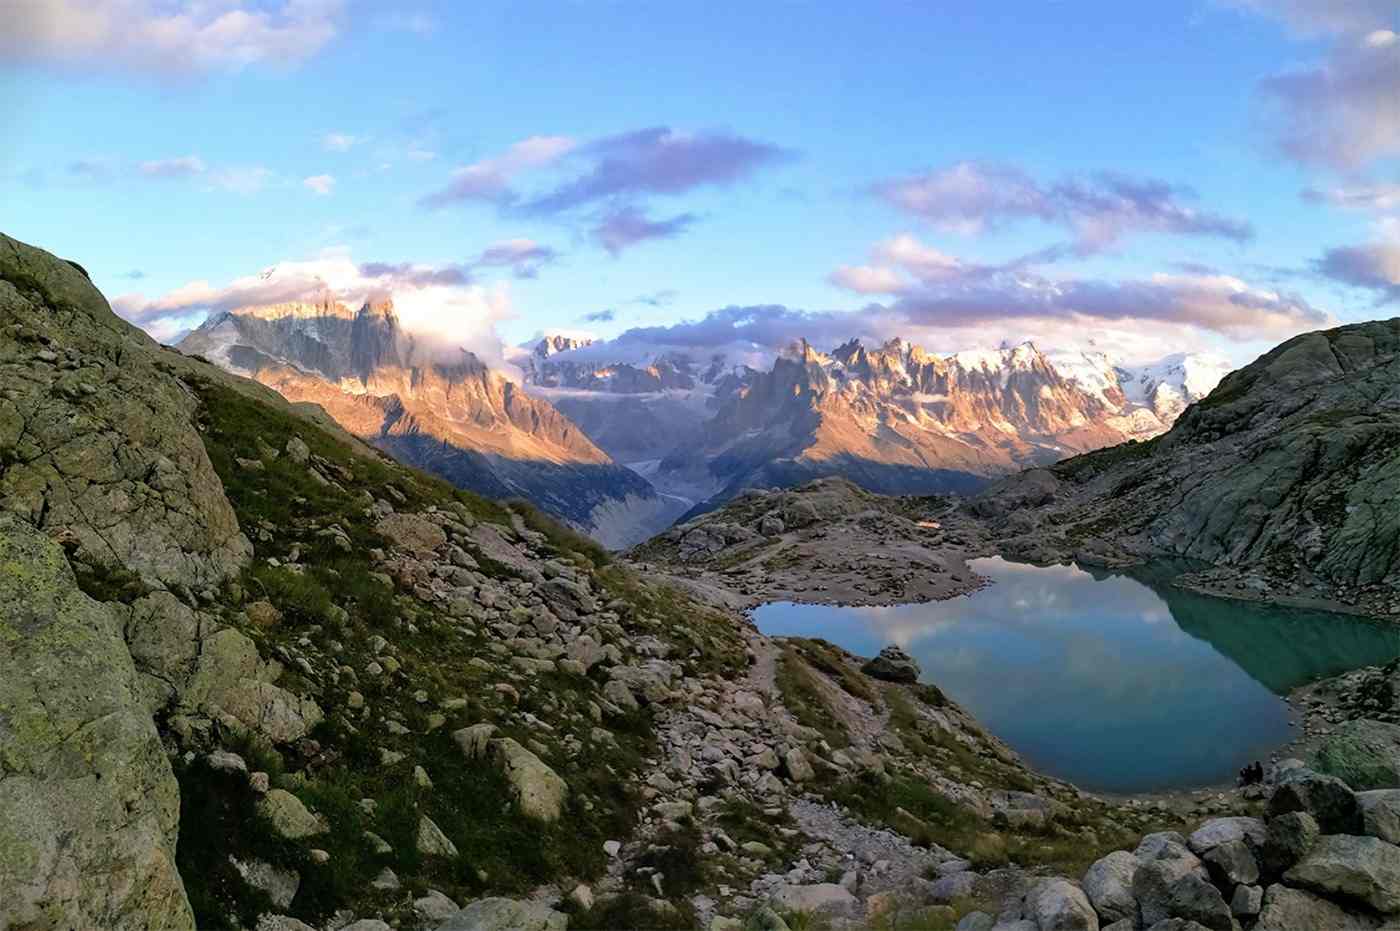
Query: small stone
point(288, 816)
point(318, 855)
point(259, 782)
point(612, 848)
point(431, 841)
point(582, 896)
point(434, 907)
point(223, 761)
point(386, 881)
point(279, 885)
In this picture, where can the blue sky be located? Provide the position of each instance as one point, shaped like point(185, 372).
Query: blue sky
point(959, 173)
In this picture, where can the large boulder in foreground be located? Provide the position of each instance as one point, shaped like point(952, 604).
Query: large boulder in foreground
point(88, 805)
point(892, 665)
point(1359, 868)
point(1288, 909)
point(98, 435)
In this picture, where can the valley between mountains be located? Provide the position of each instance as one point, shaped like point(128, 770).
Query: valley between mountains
point(284, 646)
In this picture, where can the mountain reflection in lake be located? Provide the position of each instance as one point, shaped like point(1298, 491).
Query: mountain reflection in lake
point(1115, 682)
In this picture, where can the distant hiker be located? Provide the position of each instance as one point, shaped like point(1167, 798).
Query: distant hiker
point(1252, 774)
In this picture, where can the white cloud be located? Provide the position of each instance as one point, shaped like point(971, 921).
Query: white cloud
point(1381, 197)
point(868, 279)
point(339, 142)
point(321, 184)
point(973, 197)
point(181, 167)
point(167, 36)
point(1344, 112)
point(444, 317)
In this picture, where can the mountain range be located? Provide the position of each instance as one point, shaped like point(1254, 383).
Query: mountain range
point(894, 417)
point(621, 447)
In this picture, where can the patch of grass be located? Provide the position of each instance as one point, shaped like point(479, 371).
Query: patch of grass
point(1084, 467)
point(830, 659)
point(944, 821)
point(675, 854)
point(717, 648)
point(299, 595)
point(102, 582)
point(931, 742)
point(744, 821)
point(802, 696)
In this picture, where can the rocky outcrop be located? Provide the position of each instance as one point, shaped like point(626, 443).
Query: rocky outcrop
point(98, 442)
point(893, 665)
point(88, 804)
point(1282, 477)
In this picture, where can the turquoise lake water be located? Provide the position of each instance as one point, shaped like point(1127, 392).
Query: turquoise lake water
point(1116, 682)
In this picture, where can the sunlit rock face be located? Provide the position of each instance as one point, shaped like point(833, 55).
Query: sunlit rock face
point(445, 411)
point(894, 417)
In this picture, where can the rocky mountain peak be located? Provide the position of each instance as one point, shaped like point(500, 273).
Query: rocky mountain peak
point(556, 343)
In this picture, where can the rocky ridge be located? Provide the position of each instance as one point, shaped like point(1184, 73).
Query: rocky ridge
point(1282, 479)
point(828, 541)
point(893, 418)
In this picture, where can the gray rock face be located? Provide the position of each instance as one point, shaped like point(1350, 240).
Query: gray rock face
point(101, 441)
point(431, 841)
point(1288, 909)
point(497, 914)
point(1238, 478)
point(892, 665)
point(538, 790)
point(1365, 754)
point(1060, 905)
point(1290, 836)
point(953, 886)
point(821, 897)
point(1222, 830)
point(1176, 888)
point(1109, 886)
point(280, 885)
point(88, 804)
point(1361, 868)
point(288, 816)
point(1247, 901)
point(1164, 845)
point(1232, 863)
point(1329, 800)
point(1380, 813)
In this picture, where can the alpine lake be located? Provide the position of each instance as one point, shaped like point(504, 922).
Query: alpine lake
point(1116, 681)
